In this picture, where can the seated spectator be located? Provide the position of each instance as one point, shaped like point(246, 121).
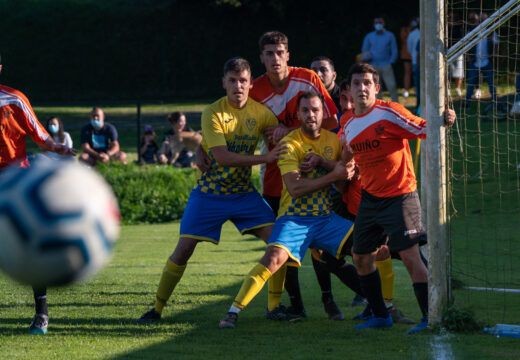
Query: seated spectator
point(148, 145)
point(55, 128)
point(180, 142)
point(99, 140)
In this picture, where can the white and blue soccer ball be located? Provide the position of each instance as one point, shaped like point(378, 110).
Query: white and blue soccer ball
point(58, 222)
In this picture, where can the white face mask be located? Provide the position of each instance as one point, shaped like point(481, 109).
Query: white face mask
point(378, 27)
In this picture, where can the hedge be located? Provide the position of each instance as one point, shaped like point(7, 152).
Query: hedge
point(151, 194)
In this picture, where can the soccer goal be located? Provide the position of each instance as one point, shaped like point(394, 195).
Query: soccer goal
point(470, 174)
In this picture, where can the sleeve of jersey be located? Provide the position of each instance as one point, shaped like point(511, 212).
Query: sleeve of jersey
point(330, 108)
point(28, 120)
point(407, 125)
point(212, 129)
point(113, 133)
point(289, 163)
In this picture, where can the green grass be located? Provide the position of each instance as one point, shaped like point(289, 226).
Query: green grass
point(96, 319)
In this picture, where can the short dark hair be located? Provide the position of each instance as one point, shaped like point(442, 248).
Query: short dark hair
point(324, 58)
point(344, 84)
point(309, 95)
point(273, 38)
point(174, 117)
point(237, 64)
point(363, 68)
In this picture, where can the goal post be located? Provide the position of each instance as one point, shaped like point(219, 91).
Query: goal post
point(433, 88)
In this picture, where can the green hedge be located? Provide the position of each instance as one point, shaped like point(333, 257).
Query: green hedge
point(151, 194)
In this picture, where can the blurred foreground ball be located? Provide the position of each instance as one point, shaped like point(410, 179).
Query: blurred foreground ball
point(58, 222)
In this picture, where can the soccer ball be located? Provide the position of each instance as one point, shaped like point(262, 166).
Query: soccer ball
point(58, 222)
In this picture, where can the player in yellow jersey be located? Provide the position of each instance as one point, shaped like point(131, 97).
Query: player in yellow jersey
point(305, 218)
point(231, 128)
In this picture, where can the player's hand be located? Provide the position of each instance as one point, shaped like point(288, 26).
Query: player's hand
point(202, 159)
point(339, 171)
point(277, 152)
point(382, 253)
point(104, 157)
point(310, 162)
point(351, 171)
point(64, 150)
point(449, 117)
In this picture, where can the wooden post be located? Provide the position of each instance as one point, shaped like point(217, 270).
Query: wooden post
point(435, 80)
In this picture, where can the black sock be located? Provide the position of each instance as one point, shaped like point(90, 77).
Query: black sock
point(346, 272)
point(323, 276)
point(371, 285)
point(293, 288)
point(421, 293)
point(40, 300)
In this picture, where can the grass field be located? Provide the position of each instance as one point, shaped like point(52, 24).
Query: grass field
point(96, 319)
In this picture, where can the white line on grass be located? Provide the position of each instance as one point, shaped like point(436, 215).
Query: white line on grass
point(516, 291)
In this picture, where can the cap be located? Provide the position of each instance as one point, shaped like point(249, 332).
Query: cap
point(148, 128)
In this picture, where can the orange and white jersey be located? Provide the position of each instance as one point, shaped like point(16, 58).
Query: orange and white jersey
point(284, 105)
point(17, 119)
point(379, 141)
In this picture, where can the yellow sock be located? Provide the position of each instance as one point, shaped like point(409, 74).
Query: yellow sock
point(275, 286)
point(171, 275)
point(386, 272)
point(252, 285)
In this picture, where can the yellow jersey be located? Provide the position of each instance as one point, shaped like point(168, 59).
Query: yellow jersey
point(238, 130)
point(327, 146)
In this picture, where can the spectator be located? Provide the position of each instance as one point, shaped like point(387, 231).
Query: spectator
point(55, 128)
point(480, 61)
point(515, 110)
point(99, 140)
point(406, 57)
point(148, 147)
point(380, 50)
point(412, 46)
point(180, 142)
point(455, 33)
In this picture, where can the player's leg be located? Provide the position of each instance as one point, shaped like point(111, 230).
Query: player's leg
point(41, 317)
point(270, 263)
point(367, 234)
point(401, 217)
point(323, 276)
point(202, 221)
point(275, 311)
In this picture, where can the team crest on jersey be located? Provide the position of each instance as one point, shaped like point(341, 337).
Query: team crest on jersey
point(251, 124)
point(327, 152)
point(379, 129)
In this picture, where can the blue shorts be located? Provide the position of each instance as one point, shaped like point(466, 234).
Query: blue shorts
point(205, 214)
point(295, 234)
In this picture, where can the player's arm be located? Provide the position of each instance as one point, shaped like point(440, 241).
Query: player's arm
point(330, 123)
point(298, 186)
point(50, 145)
point(224, 157)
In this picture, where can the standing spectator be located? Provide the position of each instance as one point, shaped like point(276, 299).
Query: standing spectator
point(455, 33)
point(412, 46)
point(99, 140)
point(179, 142)
point(148, 147)
point(17, 120)
point(406, 57)
point(55, 127)
point(381, 48)
point(480, 61)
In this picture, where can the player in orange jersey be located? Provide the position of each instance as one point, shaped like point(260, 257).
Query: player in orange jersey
point(376, 134)
point(17, 120)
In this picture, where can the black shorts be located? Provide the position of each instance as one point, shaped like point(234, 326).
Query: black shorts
point(399, 217)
